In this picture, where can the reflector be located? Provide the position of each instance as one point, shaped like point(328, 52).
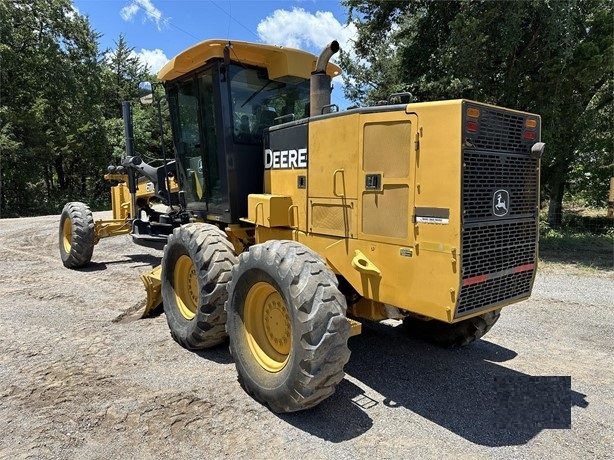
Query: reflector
point(529, 135)
point(473, 112)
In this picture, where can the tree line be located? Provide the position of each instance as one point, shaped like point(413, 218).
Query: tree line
point(60, 108)
point(554, 58)
point(60, 95)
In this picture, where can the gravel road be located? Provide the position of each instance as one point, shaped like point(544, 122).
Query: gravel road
point(76, 383)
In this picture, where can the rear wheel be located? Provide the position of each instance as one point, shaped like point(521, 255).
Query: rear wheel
point(287, 326)
point(454, 335)
point(76, 235)
point(196, 267)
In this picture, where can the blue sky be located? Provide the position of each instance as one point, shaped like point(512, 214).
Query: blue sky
point(159, 29)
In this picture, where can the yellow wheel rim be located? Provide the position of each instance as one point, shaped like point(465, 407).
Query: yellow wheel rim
point(185, 284)
point(67, 235)
point(267, 327)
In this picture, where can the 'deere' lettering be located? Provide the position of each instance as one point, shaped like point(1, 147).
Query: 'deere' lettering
point(285, 159)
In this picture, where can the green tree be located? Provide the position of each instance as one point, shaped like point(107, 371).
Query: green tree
point(51, 138)
point(550, 57)
point(123, 71)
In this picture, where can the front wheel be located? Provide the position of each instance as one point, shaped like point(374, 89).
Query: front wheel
point(76, 235)
point(287, 326)
point(196, 267)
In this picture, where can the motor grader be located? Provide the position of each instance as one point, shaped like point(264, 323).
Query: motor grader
point(290, 220)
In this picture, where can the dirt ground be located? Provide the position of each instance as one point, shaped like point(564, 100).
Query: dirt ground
point(76, 383)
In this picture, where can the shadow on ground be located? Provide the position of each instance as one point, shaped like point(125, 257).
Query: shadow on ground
point(142, 260)
point(464, 391)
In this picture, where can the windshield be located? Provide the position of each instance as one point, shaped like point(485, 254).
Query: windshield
point(258, 102)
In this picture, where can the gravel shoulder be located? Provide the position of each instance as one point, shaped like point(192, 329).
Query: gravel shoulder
point(77, 383)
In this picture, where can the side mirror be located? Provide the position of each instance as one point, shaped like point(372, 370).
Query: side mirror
point(146, 93)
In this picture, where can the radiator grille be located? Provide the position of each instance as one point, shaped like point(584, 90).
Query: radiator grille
point(484, 173)
point(493, 292)
point(493, 247)
point(499, 131)
point(498, 250)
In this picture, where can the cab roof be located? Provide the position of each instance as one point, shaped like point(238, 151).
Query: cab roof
point(282, 63)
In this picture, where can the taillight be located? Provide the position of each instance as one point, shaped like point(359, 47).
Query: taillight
point(529, 133)
point(472, 125)
point(473, 112)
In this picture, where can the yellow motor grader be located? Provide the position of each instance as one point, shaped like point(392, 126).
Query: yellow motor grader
point(290, 220)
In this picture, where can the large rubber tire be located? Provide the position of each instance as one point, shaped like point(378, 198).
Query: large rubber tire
point(196, 268)
point(76, 237)
point(287, 326)
point(454, 335)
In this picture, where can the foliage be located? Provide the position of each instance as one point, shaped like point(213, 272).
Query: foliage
point(586, 238)
point(50, 93)
point(553, 58)
point(60, 111)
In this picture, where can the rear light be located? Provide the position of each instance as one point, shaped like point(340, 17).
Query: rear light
point(529, 135)
point(473, 112)
point(472, 126)
point(531, 123)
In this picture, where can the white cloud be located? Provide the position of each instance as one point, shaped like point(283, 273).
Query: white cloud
point(154, 59)
point(128, 12)
point(301, 29)
point(310, 32)
point(152, 13)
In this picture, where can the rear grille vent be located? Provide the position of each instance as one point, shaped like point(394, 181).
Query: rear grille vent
point(485, 173)
point(494, 291)
point(500, 192)
point(499, 131)
point(494, 247)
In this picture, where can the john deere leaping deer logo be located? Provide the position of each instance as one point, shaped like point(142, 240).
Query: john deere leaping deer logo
point(501, 203)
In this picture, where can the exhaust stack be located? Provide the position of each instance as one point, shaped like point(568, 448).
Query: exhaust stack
point(319, 95)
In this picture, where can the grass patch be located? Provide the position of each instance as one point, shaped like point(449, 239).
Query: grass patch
point(585, 240)
point(584, 250)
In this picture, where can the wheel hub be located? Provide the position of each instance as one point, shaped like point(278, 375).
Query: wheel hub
point(185, 283)
point(67, 235)
point(277, 323)
point(268, 327)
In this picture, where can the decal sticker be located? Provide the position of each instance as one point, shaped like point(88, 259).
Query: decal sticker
point(501, 203)
point(432, 216)
point(432, 220)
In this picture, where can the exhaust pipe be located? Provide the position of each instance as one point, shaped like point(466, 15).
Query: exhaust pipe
point(319, 94)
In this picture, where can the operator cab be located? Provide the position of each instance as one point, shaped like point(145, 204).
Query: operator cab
point(222, 96)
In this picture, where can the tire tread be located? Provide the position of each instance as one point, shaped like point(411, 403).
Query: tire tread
point(82, 244)
point(321, 350)
point(215, 258)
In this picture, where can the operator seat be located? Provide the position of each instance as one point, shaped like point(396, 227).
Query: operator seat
point(266, 118)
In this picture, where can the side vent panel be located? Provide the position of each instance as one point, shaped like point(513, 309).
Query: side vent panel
point(386, 148)
point(386, 214)
point(386, 164)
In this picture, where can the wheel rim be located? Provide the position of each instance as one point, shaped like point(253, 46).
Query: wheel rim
point(67, 235)
point(267, 327)
point(185, 284)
